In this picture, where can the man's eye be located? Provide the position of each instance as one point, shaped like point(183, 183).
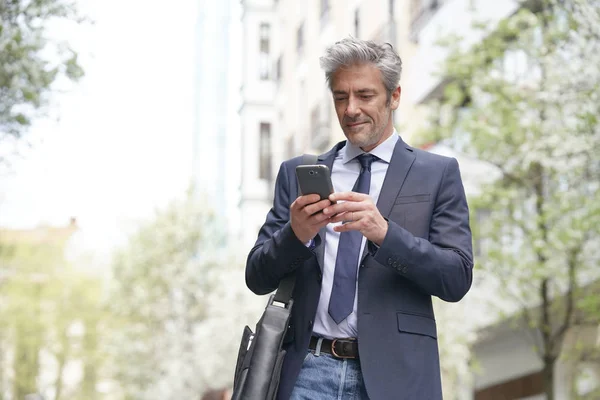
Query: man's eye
point(367, 96)
point(340, 98)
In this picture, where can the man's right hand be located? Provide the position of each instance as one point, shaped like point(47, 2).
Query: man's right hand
point(306, 217)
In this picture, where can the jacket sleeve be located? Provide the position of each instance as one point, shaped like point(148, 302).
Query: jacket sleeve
point(443, 265)
point(277, 251)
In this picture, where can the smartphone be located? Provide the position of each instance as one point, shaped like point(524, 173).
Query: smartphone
point(314, 179)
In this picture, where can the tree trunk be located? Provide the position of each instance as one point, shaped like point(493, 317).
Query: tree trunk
point(1, 368)
point(90, 367)
point(26, 361)
point(61, 360)
point(28, 343)
point(548, 378)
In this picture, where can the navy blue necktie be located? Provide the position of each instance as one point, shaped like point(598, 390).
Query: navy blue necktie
point(341, 302)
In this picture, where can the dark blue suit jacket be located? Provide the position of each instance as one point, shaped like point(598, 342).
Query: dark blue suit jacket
point(426, 252)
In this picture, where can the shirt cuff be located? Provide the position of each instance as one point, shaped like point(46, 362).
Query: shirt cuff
point(372, 247)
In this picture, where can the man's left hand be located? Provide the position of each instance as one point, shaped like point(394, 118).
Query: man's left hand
point(360, 214)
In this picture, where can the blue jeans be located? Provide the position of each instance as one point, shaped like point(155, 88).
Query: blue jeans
point(324, 377)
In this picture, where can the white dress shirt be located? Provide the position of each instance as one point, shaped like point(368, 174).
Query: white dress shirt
point(344, 174)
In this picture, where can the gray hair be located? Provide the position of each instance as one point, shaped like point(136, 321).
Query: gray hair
point(350, 51)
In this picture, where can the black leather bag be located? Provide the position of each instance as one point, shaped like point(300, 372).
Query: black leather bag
point(260, 355)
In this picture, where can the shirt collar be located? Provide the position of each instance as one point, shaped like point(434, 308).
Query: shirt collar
point(384, 151)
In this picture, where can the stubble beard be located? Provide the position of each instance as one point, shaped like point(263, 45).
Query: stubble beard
point(371, 137)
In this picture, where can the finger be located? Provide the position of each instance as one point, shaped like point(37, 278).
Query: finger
point(359, 217)
point(348, 196)
point(303, 201)
point(317, 218)
point(349, 226)
point(320, 220)
point(346, 206)
point(342, 217)
point(350, 216)
point(316, 207)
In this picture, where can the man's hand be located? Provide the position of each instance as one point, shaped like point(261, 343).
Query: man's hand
point(306, 218)
point(360, 214)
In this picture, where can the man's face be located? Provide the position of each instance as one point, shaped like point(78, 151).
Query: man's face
point(360, 100)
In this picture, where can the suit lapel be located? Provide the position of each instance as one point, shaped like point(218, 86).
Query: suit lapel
point(402, 159)
point(326, 159)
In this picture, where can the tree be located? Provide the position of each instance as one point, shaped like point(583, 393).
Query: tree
point(30, 62)
point(179, 304)
point(48, 309)
point(527, 100)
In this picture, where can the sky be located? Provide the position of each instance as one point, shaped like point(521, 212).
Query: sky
point(118, 144)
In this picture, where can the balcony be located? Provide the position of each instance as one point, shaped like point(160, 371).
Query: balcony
point(421, 13)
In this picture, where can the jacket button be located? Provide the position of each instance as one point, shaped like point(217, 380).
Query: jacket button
point(310, 324)
point(404, 270)
point(390, 261)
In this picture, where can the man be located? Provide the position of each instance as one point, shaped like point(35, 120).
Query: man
point(366, 266)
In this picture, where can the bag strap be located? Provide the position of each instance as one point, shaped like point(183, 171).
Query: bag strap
point(286, 285)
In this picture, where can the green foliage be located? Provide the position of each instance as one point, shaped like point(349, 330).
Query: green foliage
point(46, 307)
point(30, 62)
point(171, 305)
point(526, 101)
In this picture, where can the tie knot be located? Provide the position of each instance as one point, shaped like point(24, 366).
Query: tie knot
point(366, 160)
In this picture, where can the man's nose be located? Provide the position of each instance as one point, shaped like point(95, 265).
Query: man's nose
point(353, 109)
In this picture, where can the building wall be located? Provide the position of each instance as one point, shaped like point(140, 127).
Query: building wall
point(507, 360)
point(506, 357)
point(256, 107)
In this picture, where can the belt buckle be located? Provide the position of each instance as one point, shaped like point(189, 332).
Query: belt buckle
point(336, 354)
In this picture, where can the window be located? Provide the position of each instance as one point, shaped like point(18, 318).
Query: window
point(421, 12)
point(356, 23)
point(388, 31)
point(324, 7)
point(314, 125)
point(278, 71)
point(300, 39)
point(265, 32)
point(290, 147)
point(324, 12)
point(319, 124)
point(265, 151)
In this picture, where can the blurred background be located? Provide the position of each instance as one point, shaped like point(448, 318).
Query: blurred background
point(140, 140)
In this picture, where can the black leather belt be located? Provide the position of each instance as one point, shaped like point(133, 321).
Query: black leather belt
point(339, 348)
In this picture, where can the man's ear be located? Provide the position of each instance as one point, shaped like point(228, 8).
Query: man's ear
point(395, 100)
